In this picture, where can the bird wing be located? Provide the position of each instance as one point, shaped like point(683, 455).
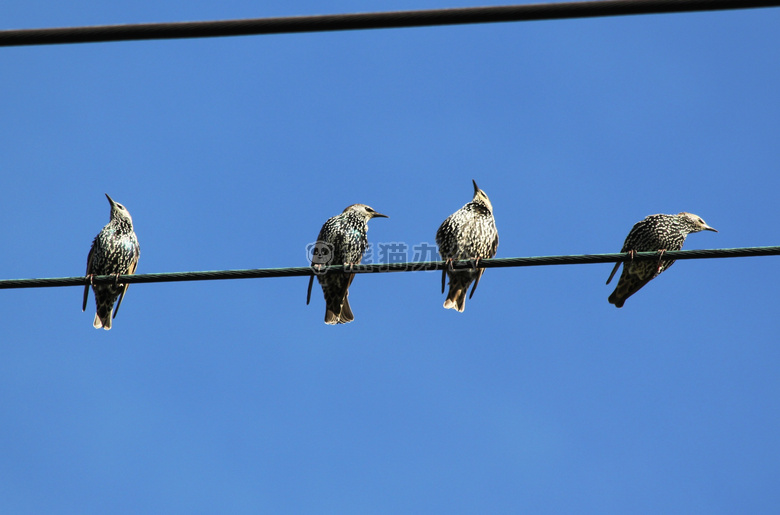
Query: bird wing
point(476, 281)
point(89, 265)
point(308, 293)
point(130, 271)
point(617, 265)
point(119, 302)
point(86, 296)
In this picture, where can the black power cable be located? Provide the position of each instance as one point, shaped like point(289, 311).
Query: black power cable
point(362, 21)
point(262, 273)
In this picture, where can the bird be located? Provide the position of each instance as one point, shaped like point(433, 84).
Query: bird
point(653, 233)
point(342, 241)
point(469, 233)
point(114, 251)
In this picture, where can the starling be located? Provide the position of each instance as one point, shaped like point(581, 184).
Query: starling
point(469, 233)
point(654, 233)
point(114, 251)
point(342, 241)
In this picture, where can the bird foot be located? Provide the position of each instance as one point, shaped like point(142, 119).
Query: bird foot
point(116, 279)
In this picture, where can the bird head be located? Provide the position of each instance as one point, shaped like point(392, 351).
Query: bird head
point(366, 212)
point(696, 223)
point(118, 211)
point(480, 197)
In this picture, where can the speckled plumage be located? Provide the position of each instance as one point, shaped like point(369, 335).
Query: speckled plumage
point(467, 234)
point(346, 236)
point(114, 251)
point(654, 233)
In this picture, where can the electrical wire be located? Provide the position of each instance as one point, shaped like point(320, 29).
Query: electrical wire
point(262, 273)
point(363, 21)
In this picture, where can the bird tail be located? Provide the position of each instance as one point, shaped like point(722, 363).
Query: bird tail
point(459, 285)
point(341, 314)
point(103, 312)
point(616, 300)
point(103, 322)
point(628, 285)
point(331, 318)
point(456, 299)
point(337, 308)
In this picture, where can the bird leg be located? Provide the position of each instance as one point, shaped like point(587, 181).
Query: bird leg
point(631, 256)
point(660, 255)
point(90, 277)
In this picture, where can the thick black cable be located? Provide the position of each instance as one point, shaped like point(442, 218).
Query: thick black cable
point(362, 21)
point(261, 273)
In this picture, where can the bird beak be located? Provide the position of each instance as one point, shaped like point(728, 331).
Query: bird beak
point(476, 188)
point(708, 228)
point(379, 215)
point(110, 200)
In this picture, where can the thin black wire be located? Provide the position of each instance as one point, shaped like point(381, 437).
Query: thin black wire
point(262, 273)
point(362, 21)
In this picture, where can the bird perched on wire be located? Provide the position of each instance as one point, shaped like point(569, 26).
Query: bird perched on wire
point(114, 251)
point(654, 233)
point(469, 233)
point(342, 241)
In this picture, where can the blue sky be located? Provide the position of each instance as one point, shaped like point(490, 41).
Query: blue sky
point(234, 397)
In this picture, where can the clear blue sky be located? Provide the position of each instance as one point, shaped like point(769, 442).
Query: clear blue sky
point(234, 397)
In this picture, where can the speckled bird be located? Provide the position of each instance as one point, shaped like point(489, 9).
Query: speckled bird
point(470, 234)
point(345, 237)
point(114, 251)
point(654, 233)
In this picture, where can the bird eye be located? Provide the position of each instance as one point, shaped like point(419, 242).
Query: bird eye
point(369, 210)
